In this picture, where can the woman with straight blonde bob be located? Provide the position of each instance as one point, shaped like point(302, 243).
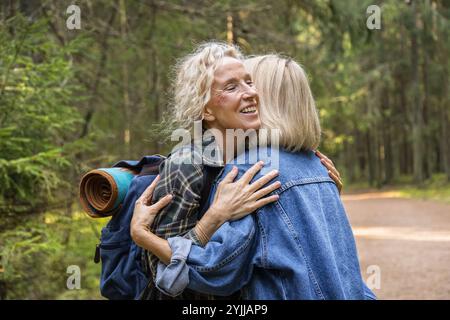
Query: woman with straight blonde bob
point(299, 247)
point(286, 101)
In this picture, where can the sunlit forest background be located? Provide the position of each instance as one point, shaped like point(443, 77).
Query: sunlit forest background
point(73, 100)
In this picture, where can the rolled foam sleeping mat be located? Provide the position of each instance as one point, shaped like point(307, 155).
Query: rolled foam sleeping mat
point(103, 190)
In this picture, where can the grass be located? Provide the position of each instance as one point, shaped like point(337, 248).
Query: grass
point(437, 188)
point(35, 256)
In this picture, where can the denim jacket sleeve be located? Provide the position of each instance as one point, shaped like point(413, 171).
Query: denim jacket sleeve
point(368, 294)
point(221, 267)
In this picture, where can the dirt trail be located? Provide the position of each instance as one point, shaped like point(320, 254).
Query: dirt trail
point(409, 240)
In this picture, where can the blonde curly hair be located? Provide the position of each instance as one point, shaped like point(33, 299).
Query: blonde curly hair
point(194, 78)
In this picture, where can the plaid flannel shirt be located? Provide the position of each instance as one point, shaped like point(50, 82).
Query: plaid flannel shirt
point(181, 175)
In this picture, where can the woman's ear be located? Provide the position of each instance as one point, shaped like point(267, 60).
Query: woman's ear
point(208, 115)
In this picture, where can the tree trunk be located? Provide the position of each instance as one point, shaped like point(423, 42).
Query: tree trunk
point(361, 154)
point(403, 130)
point(379, 157)
point(444, 107)
point(445, 119)
point(427, 154)
point(153, 78)
point(98, 76)
point(125, 79)
point(386, 135)
point(371, 158)
point(417, 113)
point(349, 160)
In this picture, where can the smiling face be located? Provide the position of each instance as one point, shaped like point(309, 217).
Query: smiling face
point(234, 102)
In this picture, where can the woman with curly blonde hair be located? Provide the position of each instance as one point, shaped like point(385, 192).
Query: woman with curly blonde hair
point(211, 87)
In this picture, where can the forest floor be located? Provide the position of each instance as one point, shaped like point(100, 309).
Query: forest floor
point(406, 242)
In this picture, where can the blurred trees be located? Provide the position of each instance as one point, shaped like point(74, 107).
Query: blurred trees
point(38, 118)
point(71, 100)
point(39, 145)
point(382, 94)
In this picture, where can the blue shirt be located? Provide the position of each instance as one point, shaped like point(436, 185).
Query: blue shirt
point(300, 247)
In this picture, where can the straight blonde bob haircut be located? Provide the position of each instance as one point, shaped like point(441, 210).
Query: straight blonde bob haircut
point(286, 101)
point(194, 76)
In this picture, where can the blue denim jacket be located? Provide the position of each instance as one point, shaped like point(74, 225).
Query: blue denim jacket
point(300, 247)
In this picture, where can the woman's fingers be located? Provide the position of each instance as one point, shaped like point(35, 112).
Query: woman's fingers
point(256, 205)
point(335, 171)
point(261, 182)
point(265, 191)
point(327, 162)
point(330, 166)
point(161, 203)
point(324, 158)
point(229, 178)
point(337, 180)
point(332, 171)
point(262, 202)
point(250, 173)
point(319, 154)
point(146, 196)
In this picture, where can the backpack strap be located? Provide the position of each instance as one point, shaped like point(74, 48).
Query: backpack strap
point(150, 169)
point(209, 176)
point(148, 165)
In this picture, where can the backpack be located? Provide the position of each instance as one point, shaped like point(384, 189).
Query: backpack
point(122, 273)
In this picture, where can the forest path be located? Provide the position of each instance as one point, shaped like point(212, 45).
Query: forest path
point(408, 239)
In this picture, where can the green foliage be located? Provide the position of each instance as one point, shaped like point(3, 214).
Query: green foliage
point(38, 118)
point(38, 147)
point(36, 254)
point(436, 188)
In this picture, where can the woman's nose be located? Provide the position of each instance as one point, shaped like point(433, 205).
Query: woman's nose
point(250, 92)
